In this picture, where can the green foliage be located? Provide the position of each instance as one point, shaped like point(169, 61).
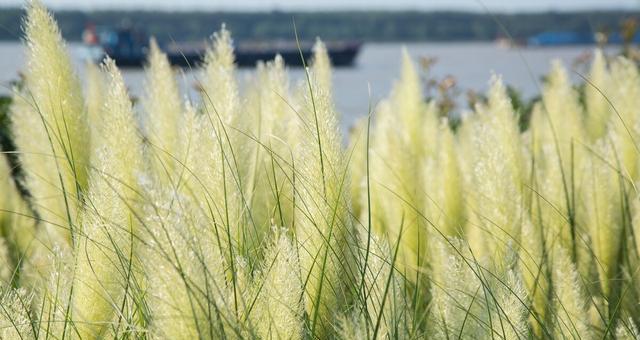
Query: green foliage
point(5, 102)
point(364, 25)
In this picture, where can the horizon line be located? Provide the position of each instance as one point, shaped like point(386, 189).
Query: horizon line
point(376, 9)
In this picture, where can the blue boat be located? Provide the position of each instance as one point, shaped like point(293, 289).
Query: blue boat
point(561, 39)
point(564, 38)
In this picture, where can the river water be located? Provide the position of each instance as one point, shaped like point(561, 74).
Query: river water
point(377, 67)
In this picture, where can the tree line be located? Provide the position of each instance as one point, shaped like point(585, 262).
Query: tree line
point(377, 26)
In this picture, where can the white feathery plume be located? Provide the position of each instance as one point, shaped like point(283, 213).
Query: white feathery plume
point(357, 148)
point(627, 330)
point(15, 314)
point(163, 110)
point(403, 122)
point(48, 273)
point(497, 177)
point(272, 121)
point(94, 101)
point(220, 95)
point(560, 118)
point(382, 288)
point(6, 264)
point(469, 302)
point(218, 155)
point(277, 313)
point(323, 225)
point(535, 271)
point(571, 317)
point(603, 192)
point(49, 125)
point(625, 125)
point(352, 327)
point(105, 251)
point(187, 290)
point(598, 109)
point(446, 204)
point(16, 224)
point(322, 71)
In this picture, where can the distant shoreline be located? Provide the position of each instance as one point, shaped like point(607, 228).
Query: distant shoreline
point(367, 26)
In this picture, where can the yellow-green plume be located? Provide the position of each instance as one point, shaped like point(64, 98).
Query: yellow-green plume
point(536, 275)
point(49, 125)
point(163, 115)
point(403, 122)
point(271, 125)
point(571, 317)
point(218, 158)
point(603, 197)
point(15, 315)
point(446, 204)
point(105, 251)
point(498, 208)
point(470, 304)
point(278, 312)
point(625, 125)
point(188, 293)
point(323, 224)
point(219, 86)
point(598, 108)
point(16, 221)
point(627, 330)
point(322, 68)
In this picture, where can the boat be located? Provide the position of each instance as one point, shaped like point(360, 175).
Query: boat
point(561, 38)
point(129, 48)
point(569, 38)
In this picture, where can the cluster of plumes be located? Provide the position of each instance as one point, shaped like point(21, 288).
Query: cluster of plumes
point(241, 214)
point(174, 218)
point(503, 233)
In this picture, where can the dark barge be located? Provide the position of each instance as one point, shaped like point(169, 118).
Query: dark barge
point(129, 49)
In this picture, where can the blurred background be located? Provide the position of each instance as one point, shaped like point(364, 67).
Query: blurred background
point(458, 44)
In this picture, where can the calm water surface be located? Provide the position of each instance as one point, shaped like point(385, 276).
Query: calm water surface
point(377, 66)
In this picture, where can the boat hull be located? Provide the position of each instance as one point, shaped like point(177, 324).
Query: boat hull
point(340, 57)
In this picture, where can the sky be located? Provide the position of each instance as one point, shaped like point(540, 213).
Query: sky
point(473, 5)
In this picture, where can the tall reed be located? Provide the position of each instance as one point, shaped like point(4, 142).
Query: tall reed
point(240, 213)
